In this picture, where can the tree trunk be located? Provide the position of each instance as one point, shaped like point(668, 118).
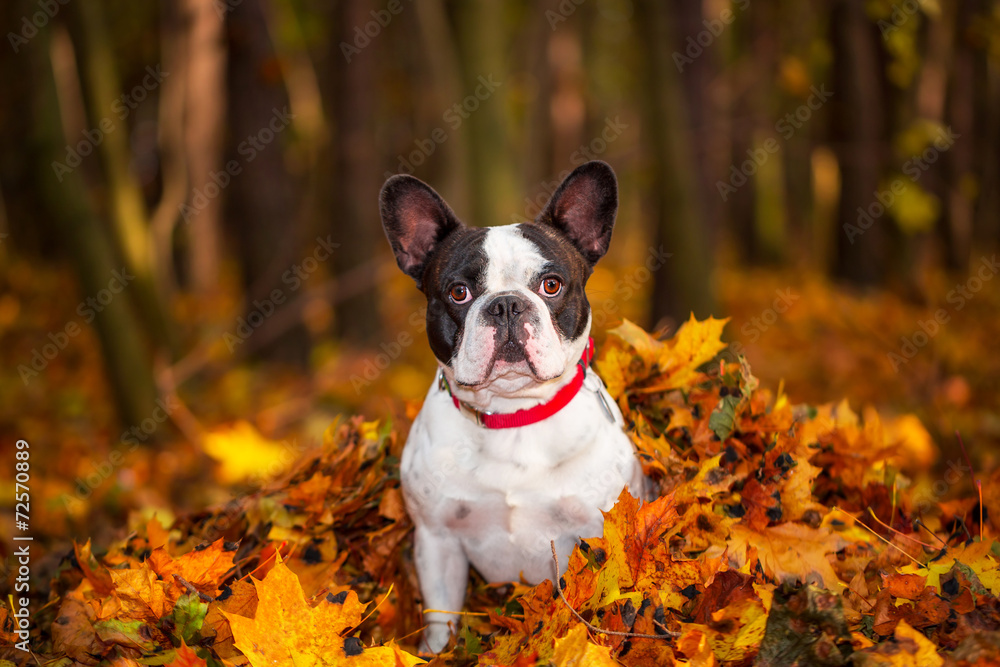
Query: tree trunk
point(986, 87)
point(354, 213)
point(205, 112)
point(440, 89)
point(263, 197)
point(128, 364)
point(683, 285)
point(127, 208)
point(858, 132)
point(687, 18)
point(484, 43)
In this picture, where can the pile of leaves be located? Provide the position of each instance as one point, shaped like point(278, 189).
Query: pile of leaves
point(781, 534)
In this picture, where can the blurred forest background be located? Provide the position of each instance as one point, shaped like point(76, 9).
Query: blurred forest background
point(191, 239)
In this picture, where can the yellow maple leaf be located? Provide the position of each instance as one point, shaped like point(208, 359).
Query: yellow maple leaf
point(574, 650)
point(796, 489)
point(694, 344)
point(912, 648)
point(790, 551)
point(286, 631)
point(913, 440)
point(244, 453)
point(744, 624)
point(632, 355)
point(977, 556)
point(613, 366)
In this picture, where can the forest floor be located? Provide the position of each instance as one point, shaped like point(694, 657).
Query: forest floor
point(846, 414)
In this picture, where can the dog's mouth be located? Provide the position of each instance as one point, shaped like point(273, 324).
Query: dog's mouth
point(510, 352)
point(510, 362)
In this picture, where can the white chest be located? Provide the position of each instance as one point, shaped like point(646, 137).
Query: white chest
point(504, 494)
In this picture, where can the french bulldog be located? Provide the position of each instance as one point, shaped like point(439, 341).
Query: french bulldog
point(517, 443)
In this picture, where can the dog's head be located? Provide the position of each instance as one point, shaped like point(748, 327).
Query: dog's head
point(506, 305)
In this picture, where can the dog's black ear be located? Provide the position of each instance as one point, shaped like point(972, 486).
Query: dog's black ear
point(415, 220)
point(584, 208)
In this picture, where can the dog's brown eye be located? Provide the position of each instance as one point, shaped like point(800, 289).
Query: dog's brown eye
point(551, 286)
point(460, 294)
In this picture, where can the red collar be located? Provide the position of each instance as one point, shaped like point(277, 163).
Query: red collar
point(529, 415)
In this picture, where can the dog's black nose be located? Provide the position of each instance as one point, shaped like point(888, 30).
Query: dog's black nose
point(506, 308)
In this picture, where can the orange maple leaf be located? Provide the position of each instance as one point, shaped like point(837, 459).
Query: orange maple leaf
point(202, 568)
point(632, 534)
point(186, 657)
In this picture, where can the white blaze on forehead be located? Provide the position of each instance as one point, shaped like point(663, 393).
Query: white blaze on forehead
point(513, 264)
point(511, 259)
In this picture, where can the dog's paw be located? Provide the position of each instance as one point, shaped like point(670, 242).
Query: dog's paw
point(436, 637)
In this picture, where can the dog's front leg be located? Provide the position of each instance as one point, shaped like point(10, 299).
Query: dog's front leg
point(444, 572)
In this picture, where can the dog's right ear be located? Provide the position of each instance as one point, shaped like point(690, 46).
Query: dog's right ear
point(415, 220)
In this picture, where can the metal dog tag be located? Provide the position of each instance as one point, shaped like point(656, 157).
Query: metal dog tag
point(593, 383)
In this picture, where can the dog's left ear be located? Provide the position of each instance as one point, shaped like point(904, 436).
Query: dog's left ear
point(415, 220)
point(584, 208)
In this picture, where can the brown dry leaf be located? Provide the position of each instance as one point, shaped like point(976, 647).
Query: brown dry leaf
point(92, 569)
point(73, 628)
point(142, 595)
